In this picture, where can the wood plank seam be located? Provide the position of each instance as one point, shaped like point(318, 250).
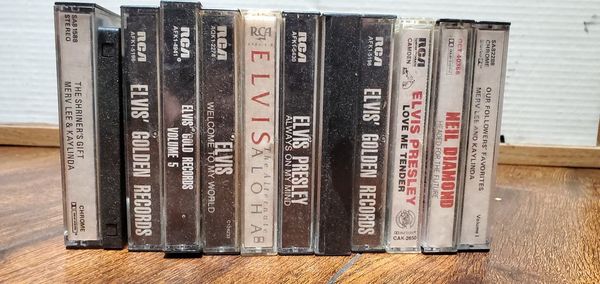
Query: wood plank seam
point(511, 154)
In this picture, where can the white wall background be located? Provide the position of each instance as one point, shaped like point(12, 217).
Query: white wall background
point(553, 80)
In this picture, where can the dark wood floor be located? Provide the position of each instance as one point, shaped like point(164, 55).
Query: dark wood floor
point(546, 228)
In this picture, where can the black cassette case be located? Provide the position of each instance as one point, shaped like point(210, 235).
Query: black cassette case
point(109, 139)
point(218, 101)
point(340, 84)
point(142, 127)
point(180, 129)
point(297, 122)
point(372, 116)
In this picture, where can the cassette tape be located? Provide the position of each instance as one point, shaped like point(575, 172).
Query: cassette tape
point(218, 39)
point(298, 94)
point(447, 137)
point(411, 92)
point(489, 67)
point(181, 140)
point(87, 42)
point(371, 134)
point(339, 86)
point(142, 131)
point(259, 124)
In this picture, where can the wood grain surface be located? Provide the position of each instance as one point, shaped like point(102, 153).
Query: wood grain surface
point(549, 155)
point(29, 135)
point(546, 229)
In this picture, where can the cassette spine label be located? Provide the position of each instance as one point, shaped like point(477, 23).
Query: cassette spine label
point(181, 135)
point(411, 81)
point(297, 121)
point(483, 131)
point(447, 134)
point(218, 92)
point(370, 153)
point(339, 86)
point(75, 32)
point(261, 31)
point(142, 131)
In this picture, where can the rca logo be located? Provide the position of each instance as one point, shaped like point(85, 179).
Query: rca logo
point(221, 43)
point(260, 32)
point(140, 46)
point(302, 47)
point(184, 43)
point(421, 52)
point(378, 52)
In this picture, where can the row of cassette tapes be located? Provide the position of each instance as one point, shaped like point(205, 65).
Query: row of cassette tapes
point(190, 130)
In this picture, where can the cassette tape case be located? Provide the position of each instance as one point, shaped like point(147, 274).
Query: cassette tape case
point(87, 42)
point(143, 135)
point(259, 135)
point(219, 101)
point(489, 67)
point(180, 108)
point(448, 135)
point(407, 149)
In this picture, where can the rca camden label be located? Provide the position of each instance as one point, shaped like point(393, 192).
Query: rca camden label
point(406, 181)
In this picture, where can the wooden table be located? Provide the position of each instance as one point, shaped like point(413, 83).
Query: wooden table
point(546, 228)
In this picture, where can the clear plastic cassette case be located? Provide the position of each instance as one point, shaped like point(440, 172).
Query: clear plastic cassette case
point(218, 40)
point(181, 140)
point(76, 27)
point(371, 133)
point(259, 124)
point(142, 131)
point(410, 108)
point(297, 114)
point(491, 43)
point(447, 136)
